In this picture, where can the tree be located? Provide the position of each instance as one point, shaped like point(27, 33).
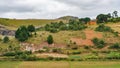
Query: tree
point(50, 39)
point(31, 28)
point(115, 14)
point(85, 20)
point(6, 39)
point(22, 34)
point(102, 18)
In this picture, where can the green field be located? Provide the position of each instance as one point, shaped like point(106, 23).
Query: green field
point(15, 23)
point(60, 64)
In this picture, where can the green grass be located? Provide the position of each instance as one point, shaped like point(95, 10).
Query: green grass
point(61, 37)
point(60, 64)
point(9, 64)
point(95, 64)
point(15, 23)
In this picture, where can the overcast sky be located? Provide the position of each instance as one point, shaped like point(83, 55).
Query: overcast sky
point(50, 9)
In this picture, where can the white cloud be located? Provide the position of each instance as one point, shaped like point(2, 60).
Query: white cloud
point(56, 8)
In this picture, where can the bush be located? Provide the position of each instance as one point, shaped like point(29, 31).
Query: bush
point(98, 42)
point(76, 52)
point(115, 46)
point(50, 39)
point(9, 54)
point(113, 55)
point(22, 34)
point(86, 47)
point(71, 25)
point(5, 39)
point(103, 28)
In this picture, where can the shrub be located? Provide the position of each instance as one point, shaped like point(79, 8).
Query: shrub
point(103, 28)
point(76, 52)
point(31, 28)
point(9, 54)
point(115, 46)
point(50, 39)
point(5, 39)
point(22, 34)
point(113, 55)
point(86, 47)
point(98, 42)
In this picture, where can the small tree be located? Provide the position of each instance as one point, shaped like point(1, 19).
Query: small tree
point(31, 28)
point(22, 34)
point(6, 39)
point(50, 39)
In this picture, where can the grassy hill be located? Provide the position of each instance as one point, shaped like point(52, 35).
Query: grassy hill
point(15, 23)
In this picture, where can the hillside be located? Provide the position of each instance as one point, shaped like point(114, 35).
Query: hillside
point(72, 40)
point(15, 23)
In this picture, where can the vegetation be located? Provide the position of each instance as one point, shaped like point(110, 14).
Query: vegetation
point(50, 39)
point(31, 28)
point(98, 42)
point(22, 34)
point(85, 20)
point(67, 37)
point(103, 28)
point(115, 46)
point(104, 18)
point(72, 25)
point(5, 39)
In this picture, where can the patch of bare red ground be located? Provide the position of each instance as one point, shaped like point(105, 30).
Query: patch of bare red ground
point(80, 41)
point(90, 34)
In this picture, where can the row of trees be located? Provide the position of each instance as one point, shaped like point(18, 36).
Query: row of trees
point(110, 17)
point(72, 25)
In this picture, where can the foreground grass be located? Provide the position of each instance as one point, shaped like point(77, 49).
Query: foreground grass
point(60, 64)
point(95, 64)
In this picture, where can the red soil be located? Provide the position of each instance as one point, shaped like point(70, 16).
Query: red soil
point(89, 36)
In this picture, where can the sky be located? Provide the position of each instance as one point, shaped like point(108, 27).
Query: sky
point(51, 9)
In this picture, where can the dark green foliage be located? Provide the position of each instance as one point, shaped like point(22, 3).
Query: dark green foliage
point(102, 18)
point(98, 42)
point(115, 14)
point(18, 53)
point(114, 20)
point(50, 39)
point(5, 39)
point(110, 17)
point(22, 34)
point(103, 28)
point(72, 25)
point(9, 54)
point(76, 52)
point(115, 46)
point(31, 28)
point(85, 20)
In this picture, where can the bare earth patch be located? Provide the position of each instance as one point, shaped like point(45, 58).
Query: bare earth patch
point(90, 34)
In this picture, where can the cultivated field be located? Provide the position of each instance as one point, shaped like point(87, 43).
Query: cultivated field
point(60, 64)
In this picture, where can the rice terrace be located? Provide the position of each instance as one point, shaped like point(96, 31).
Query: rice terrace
point(59, 34)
